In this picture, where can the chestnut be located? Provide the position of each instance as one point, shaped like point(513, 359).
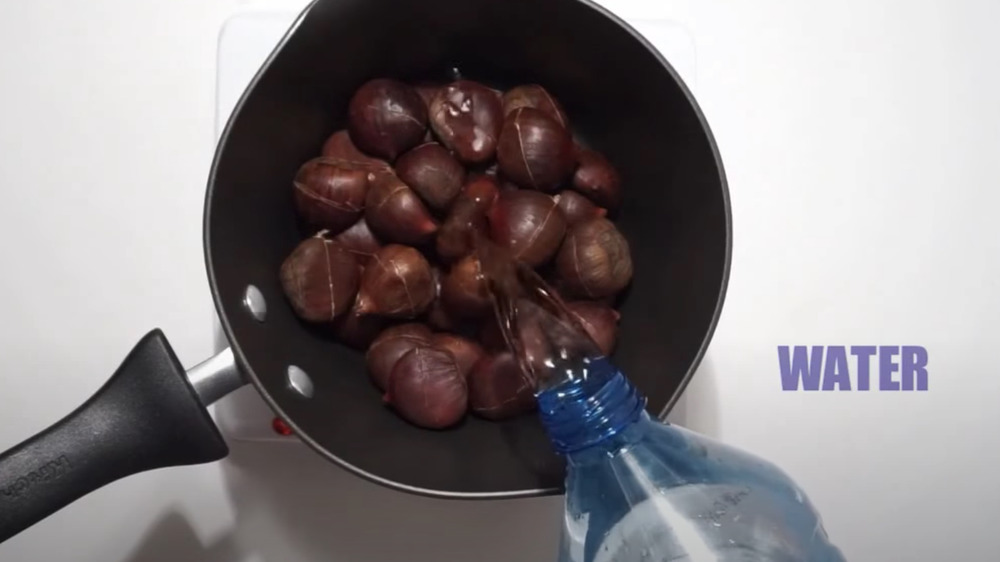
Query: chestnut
point(432, 172)
point(386, 117)
point(464, 290)
point(534, 150)
point(427, 389)
point(467, 218)
point(499, 389)
point(529, 224)
point(481, 190)
point(465, 351)
point(536, 97)
point(397, 283)
point(356, 329)
point(438, 316)
point(594, 261)
point(490, 335)
point(427, 91)
point(329, 195)
point(577, 208)
point(389, 346)
point(319, 279)
point(533, 341)
point(340, 146)
point(359, 240)
point(596, 178)
point(396, 214)
point(467, 117)
point(600, 322)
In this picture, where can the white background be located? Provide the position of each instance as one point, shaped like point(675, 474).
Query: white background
point(860, 139)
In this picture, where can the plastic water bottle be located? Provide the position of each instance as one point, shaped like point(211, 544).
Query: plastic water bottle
point(638, 489)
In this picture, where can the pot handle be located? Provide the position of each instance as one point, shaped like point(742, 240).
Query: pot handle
point(147, 416)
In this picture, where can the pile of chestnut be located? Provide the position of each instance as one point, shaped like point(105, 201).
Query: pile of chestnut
point(390, 207)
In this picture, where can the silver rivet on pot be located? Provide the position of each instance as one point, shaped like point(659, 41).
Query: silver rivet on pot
point(254, 301)
point(300, 382)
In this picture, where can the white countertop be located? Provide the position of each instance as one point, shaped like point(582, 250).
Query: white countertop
point(888, 108)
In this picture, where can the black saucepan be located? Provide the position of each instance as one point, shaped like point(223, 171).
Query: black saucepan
point(622, 97)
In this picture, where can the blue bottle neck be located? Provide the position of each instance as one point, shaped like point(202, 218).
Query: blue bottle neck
point(590, 407)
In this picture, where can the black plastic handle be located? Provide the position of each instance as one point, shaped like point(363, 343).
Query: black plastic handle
point(147, 416)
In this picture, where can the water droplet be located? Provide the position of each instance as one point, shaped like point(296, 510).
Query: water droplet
point(716, 524)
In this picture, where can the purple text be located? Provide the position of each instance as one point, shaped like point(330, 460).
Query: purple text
point(860, 367)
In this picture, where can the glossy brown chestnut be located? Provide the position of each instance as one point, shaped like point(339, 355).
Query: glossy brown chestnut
point(599, 320)
point(397, 283)
point(340, 146)
point(320, 280)
point(467, 218)
point(577, 208)
point(536, 97)
point(358, 330)
point(594, 261)
point(396, 214)
point(465, 351)
point(507, 185)
point(438, 316)
point(464, 290)
point(359, 240)
point(498, 389)
point(528, 224)
point(534, 150)
point(329, 195)
point(597, 178)
point(427, 389)
point(467, 117)
point(386, 118)
point(432, 172)
point(427, 91)
point(389, 346)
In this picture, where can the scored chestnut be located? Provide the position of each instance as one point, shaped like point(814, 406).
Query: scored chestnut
point(356, 329)
point(467, 218)
point(529, 224)
point(386, 117)
point(329, 195)
point(465, 351)
point(339, 145)
point(397, 283)
point(427, 388)
point(577, 208)
point(464, 290)
point(396, 214)
point(594, 261)
point(537, 97)
point(438, 316)
point(599, 320)
point(319, 279)
point(467, 117)
point(432, 172)
point(534, 150)
point(389, 346)
point(597, 178)
point(499, 389)
point(359, 240)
